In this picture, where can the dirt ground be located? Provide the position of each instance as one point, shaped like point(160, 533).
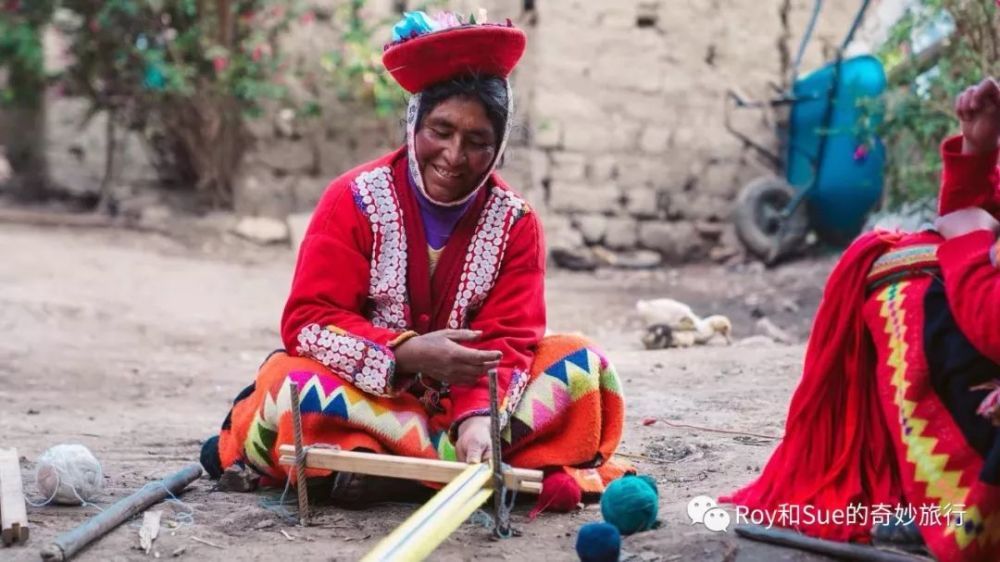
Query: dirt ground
point(135, 344)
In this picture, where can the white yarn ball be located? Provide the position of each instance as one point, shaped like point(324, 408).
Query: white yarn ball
point(69, 475)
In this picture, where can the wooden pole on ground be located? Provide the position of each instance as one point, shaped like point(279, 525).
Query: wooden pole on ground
point(13, 512)
point(842, 550)
point(68, 544)
point(300, 459)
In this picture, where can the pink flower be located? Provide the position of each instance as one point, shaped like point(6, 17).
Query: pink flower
point(309, 17)
point(861, 152)
point(220, 63)
point(261, 51)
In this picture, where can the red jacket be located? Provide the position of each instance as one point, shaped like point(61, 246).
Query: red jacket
point(362, 284)
point(837, 449)
point(972, 281)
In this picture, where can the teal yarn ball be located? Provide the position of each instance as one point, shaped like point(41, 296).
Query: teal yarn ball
point(598, 542)
point(651, 481)
point(631, 504)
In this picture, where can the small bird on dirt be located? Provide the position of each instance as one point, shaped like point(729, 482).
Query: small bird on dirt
point(671, 323)
point(658, 336)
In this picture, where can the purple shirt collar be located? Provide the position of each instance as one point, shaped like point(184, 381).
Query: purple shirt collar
point(439, 221)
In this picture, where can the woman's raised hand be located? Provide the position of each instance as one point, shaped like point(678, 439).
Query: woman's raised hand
point(978, 111)
point(441, 356)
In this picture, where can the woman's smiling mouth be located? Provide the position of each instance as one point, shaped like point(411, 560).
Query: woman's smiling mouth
point(448, 175)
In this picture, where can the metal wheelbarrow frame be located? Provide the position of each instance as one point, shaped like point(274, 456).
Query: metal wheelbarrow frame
point(829, 158)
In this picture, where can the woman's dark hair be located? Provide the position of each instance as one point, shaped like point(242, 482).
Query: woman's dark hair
point(490, 91)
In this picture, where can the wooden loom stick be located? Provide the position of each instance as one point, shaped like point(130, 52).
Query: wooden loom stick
point(430, 525)
point(300, 469)
point(846, 551)
point(68, 544)
point(411, 468)
point(13, 512)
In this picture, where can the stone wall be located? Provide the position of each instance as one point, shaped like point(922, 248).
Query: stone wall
point(620, 140)
point(295, 159)
point(628, 145)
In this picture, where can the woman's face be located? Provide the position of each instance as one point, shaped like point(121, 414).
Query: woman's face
point(455, 145)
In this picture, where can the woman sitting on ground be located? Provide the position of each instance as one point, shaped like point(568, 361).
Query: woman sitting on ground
point(896, 417)
point(419, 273)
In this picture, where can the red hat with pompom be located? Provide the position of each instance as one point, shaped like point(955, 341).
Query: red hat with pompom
point(429, 50)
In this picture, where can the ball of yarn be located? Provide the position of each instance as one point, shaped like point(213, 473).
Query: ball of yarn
point(630, 504)
point(598, 542)
point(69, 475)
point(651, 481)
point(560, 493)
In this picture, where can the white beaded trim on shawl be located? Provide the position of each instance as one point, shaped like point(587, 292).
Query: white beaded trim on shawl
point(363, 363)
point(375, 196)
point(485, 254)
point(370, 366)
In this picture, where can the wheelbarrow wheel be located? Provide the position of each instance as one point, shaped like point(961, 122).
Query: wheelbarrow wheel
point(760, 224)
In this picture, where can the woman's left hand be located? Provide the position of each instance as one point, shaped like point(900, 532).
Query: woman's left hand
point(474, 442)
point(964, 221)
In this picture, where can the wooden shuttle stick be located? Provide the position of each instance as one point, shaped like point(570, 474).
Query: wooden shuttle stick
point(430, 525)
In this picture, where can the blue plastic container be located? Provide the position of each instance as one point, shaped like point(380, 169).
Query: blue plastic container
point(844, 187)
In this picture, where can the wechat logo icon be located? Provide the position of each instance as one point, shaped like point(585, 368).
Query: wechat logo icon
point(704, 510)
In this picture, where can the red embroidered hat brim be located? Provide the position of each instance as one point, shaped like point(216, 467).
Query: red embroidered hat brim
point(476, 49)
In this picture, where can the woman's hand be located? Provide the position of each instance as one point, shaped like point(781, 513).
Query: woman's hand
point(474, 443)
point(964, 221)
point(978, 111)
point(439, 355)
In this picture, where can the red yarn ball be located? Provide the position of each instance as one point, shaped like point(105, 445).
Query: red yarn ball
point(560, 493)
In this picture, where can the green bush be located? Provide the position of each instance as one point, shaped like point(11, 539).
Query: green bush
point(185, 72)
point(355, 65)
point(189, 73)
point(21, 52)
point(923, 87)
point(22, 93)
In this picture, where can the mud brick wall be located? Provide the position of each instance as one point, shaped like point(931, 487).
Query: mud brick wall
point(619, 139)
point(627, 145)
